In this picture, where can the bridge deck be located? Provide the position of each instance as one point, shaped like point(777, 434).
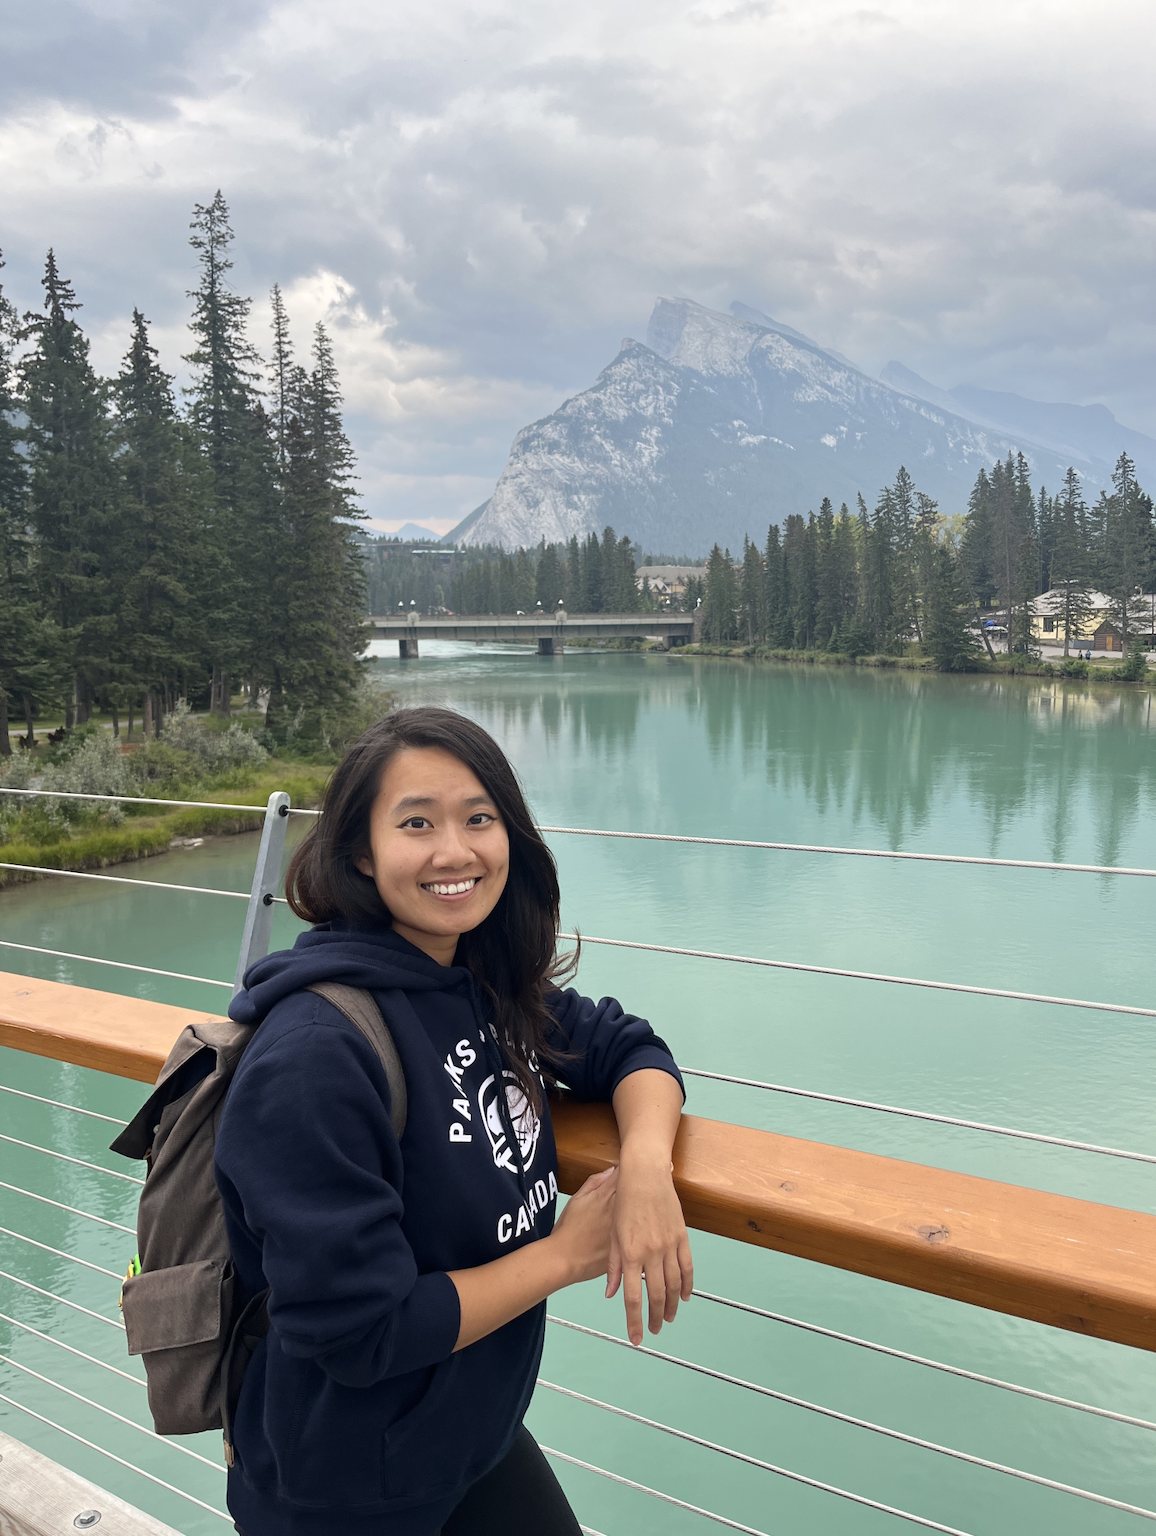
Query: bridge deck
point(531, 626)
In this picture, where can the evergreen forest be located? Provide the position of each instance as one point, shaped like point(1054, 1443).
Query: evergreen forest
point(875, 581)
point(157, 547)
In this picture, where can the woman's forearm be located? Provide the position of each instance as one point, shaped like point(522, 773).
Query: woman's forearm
point(647, 1106)
point(494, 1294)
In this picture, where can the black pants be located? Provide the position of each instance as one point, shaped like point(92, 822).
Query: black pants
point(521, 1494)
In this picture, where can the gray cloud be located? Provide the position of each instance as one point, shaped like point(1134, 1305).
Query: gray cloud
point(483, 199)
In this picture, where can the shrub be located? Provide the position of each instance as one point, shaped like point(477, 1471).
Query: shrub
point(212, 751)
point(1135, 664)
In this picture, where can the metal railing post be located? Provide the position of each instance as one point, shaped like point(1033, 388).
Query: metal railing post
point(266, 880)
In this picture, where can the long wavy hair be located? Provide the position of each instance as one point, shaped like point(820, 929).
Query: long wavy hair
point(513, 953)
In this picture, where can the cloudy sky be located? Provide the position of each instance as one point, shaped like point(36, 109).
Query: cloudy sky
point(482, 199)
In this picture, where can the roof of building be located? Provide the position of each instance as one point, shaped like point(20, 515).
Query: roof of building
point(669, 572)
point(1050, 603)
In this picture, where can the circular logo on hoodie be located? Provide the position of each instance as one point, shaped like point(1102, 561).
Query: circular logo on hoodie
point(525, 1122)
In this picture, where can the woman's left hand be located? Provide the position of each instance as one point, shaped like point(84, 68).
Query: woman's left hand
point(648, 1235)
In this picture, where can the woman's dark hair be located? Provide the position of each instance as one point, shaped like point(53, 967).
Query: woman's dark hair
point(513, 953)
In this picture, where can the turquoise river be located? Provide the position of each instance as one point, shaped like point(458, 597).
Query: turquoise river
point(871, 759)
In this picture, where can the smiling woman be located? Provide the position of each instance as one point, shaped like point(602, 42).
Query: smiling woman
point(406, 1273)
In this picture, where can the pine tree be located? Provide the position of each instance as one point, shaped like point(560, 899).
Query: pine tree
point(845, 555)
point(314, 656)
point(1070, 565)
point(882, 620)
point(827, 606)
point(223, 397)
point(925, 544)
point(158, 648)
point(29, 643)
point(549, 579)
point(575, 584)
point(799, 569)
point(591, 591)
point(752, 595)
point(287, 379)
point(776, 605)
point(73, 500)
point(721, 599)
point(905, 586)
point(1128, 549)
point(977, 547)
point(947, 635)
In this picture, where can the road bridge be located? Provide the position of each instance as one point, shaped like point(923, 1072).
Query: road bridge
point(550, 630)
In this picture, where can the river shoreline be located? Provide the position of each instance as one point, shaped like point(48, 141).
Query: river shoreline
point(144, 836)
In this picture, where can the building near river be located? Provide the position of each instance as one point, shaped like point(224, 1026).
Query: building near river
point(1098, 631)
point(668, 580)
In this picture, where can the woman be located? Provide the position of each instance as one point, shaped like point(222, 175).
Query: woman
point(407, 1280)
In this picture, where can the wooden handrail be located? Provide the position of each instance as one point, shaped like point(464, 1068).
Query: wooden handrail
point(1088, 1268)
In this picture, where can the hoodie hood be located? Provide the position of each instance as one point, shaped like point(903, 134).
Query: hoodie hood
point(374, 958)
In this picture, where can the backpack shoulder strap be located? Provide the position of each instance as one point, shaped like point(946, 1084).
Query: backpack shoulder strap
point(360, 1009)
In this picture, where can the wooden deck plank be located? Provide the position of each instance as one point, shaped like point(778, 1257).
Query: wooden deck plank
point(40, 1498)
point(1070, 1263)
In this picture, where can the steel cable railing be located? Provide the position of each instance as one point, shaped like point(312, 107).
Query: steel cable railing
point(920, 1114)
point(137, 1381)
point(111, 1413)
point(73, 794)
point(71, 1209)
point(123, 965)
point(856, 853)
point(73, 1258)
point(755, 1461)
point(112, 1322)
point(132, 1467)
point(154, 885)
point(935, 1365)
point(30, 1146)
point(667, 1498)
point(74, 1109)
point(725, 1450)
point(662, 837)
point(917, 1441)
point(833, 970)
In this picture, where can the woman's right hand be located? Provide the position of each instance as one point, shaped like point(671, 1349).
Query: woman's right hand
point(582, 1231)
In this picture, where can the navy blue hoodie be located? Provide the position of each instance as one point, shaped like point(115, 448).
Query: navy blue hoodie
point(356, 1416)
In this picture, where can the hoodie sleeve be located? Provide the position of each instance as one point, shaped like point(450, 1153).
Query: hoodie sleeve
point(601, 1045)
point(307, 1160)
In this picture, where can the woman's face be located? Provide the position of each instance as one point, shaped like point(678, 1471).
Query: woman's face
point(438, 851)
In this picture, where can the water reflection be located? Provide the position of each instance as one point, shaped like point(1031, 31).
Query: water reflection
point(1044, 769)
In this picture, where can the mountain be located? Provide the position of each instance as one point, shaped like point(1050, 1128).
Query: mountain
point(413, 531)
point(721, 424)
point(1088, 436)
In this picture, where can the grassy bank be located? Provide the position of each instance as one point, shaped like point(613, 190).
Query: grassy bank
point(101, 840)
point(913, 661)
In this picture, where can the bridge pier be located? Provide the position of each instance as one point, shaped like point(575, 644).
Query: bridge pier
point(407, 649)
point(549, 645)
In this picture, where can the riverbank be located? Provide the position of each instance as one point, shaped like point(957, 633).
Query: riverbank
point(141, 834)
point(912, 661)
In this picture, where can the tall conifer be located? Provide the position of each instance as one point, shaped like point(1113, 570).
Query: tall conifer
point(73, 491)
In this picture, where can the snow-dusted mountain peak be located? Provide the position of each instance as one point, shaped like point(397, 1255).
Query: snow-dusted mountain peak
point(691, 336)
point(721, 424)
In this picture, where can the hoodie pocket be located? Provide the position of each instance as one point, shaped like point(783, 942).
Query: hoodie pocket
point(417, 1467)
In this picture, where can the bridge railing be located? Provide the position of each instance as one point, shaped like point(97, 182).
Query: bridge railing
point(1067, 1263)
